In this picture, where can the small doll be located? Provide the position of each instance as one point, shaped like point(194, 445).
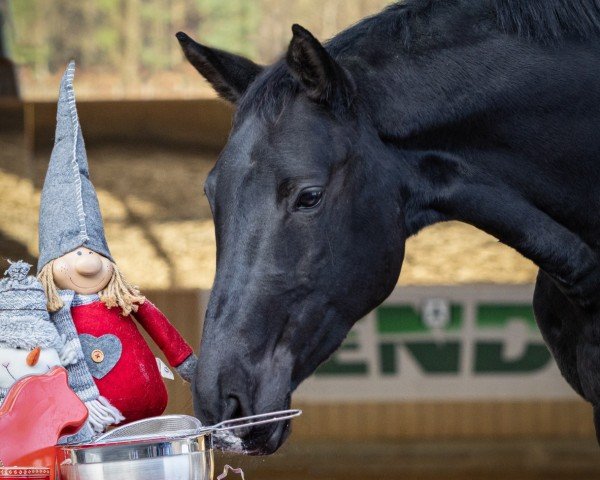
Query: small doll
point(29, 342)
point(90, 301)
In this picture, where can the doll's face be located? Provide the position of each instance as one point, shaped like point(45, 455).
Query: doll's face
point(16, 363)
point(82, 270)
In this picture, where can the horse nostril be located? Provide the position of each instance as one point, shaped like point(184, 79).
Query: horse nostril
point(237, 408)
point(233, 409)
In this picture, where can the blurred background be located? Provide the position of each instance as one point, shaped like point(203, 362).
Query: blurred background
point(449, 379)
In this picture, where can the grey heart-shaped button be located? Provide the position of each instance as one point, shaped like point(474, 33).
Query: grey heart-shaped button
point(101, 353)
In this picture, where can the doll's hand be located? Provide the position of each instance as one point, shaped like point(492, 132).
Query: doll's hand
point(187, 368)
point(68, 355)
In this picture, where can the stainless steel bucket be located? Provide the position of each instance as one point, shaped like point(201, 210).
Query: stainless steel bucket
point(185, 458)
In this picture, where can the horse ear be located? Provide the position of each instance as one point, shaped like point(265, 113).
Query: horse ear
point(322, 77)
point(229, 74)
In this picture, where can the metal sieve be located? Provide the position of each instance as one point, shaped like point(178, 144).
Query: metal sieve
point(178, 426)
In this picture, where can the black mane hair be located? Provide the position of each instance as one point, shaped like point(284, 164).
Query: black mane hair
point(547, 22)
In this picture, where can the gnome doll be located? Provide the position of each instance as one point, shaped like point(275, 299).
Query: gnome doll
point(90, 301)
point(29, 342)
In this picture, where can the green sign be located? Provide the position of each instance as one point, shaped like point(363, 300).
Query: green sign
point(440, 351)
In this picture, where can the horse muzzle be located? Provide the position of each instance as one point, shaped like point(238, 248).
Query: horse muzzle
point(256, 440)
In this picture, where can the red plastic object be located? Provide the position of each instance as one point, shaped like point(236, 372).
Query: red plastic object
point(37, 411)
point(30, 473)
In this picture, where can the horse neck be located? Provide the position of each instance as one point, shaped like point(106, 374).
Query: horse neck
point(494, 112)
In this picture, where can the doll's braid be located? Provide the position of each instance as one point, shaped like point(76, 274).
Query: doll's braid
point(120, 293)
point(46, 278)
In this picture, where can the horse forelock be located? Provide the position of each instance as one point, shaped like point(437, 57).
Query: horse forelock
point(269, 93)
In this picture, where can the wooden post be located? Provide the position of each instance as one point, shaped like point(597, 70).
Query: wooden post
point(8, 77)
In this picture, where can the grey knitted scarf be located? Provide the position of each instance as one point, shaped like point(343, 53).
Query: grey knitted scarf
point(101, 412)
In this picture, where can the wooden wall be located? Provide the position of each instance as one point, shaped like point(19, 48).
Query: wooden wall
point(202, 124)
point(11, 115)
point(445, 420)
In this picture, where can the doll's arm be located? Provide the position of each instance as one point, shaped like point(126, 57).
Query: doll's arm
point(187, 368)
point(165, 335)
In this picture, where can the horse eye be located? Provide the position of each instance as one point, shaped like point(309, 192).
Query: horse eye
point(309, 198)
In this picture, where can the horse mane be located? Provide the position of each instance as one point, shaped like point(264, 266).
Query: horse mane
point(543, 21)
point(549, 21)
point(546, 22)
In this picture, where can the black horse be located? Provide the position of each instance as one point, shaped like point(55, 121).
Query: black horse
point(486, 112)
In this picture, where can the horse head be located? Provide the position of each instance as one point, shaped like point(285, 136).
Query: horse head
point(299, 216)
point(481, 112)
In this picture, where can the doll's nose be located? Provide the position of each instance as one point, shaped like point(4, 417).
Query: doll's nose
point(88, 265)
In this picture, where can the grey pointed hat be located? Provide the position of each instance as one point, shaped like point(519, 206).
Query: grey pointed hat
point(69, 212)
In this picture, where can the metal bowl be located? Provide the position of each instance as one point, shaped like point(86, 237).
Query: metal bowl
point(184, 458)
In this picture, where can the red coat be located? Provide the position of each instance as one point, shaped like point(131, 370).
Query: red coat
point(133, 384)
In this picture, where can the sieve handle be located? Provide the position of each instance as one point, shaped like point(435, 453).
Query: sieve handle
point(254, 420)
